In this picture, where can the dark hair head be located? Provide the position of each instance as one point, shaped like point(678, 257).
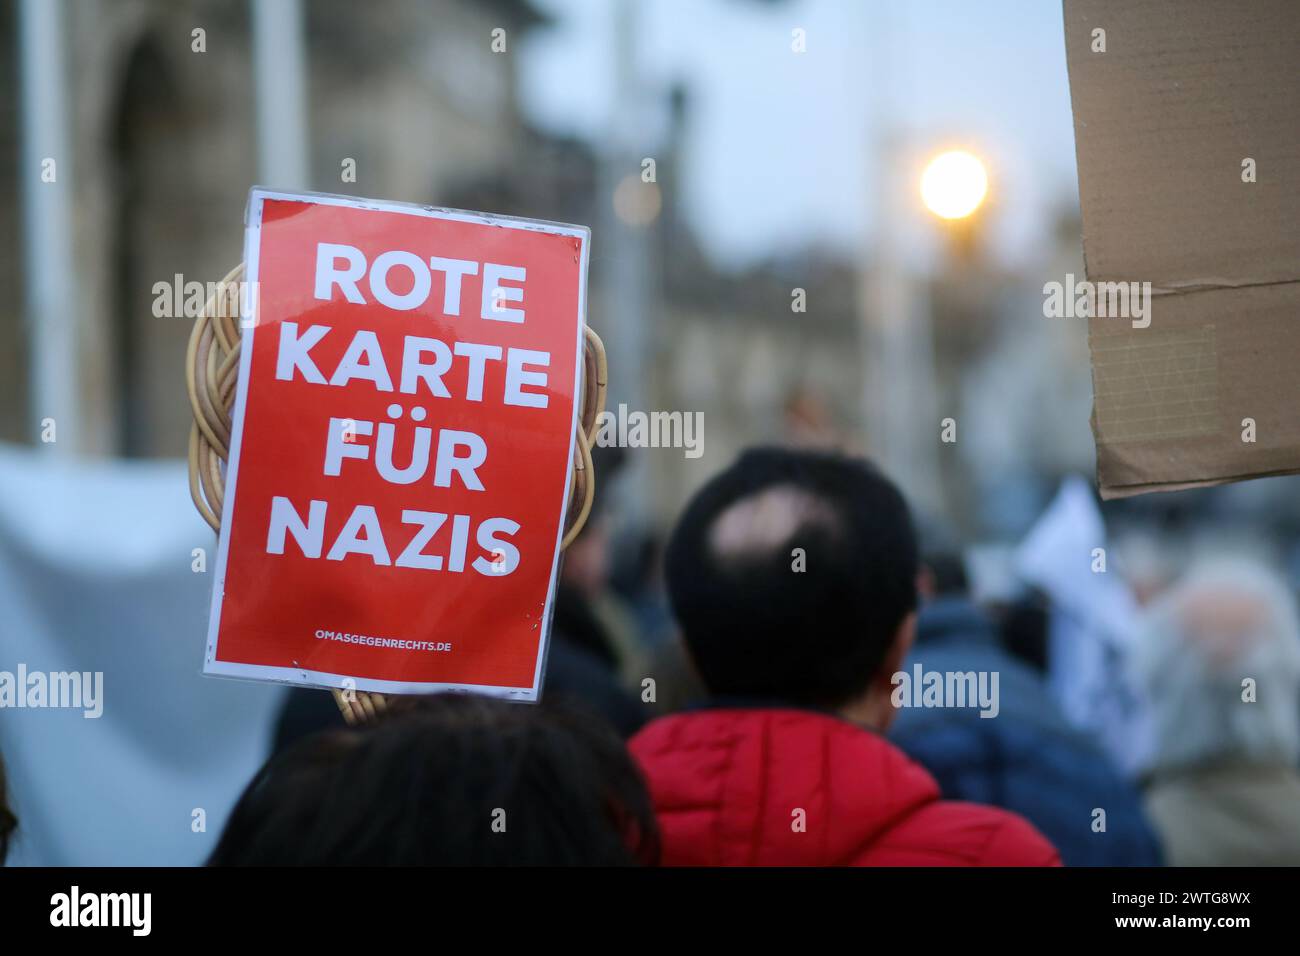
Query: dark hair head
point(947, 573)
point(8, 822)
point(447, 781)
point(810, 626)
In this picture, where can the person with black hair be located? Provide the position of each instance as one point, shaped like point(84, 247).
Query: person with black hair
point(449, 780)
point(586, 654)
point(8, 822)
point(793, 577)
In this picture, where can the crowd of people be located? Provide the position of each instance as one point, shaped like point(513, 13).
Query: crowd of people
point(779, 727)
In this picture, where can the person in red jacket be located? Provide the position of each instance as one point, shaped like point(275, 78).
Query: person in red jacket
point(793, 577)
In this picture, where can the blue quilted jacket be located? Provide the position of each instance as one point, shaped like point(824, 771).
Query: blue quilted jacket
point(1027, 759)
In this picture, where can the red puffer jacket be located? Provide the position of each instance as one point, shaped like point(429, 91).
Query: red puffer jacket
point(728, 787)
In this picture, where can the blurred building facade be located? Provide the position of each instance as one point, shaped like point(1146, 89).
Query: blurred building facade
point(414, 98)
point(163, 152)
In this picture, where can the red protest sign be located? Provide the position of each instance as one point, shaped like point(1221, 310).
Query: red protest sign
point(401, 450)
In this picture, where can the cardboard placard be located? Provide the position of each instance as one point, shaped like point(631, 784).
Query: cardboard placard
point(1187, 129)
point(402, 447)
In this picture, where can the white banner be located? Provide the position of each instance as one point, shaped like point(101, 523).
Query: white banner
point(117, 750)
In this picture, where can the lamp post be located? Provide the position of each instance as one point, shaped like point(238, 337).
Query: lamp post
point(902, 410)
point(48, 225)
point(953, 187)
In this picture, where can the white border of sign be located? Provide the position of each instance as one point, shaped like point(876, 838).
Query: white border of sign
point(248, 318)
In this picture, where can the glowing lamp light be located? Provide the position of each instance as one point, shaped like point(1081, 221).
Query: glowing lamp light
point(954, 184)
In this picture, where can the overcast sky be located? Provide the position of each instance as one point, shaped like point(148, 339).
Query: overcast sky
point(780, 146)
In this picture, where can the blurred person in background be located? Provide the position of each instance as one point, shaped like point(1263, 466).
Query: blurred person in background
point(1218, 657)
point(450, 780)
point(637, 578)
point(8, 822)
point(1027, 758)
point(596, 652)
point(793, 578)
point(676, 684)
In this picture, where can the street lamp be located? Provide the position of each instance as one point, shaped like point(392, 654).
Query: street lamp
point(954, 184)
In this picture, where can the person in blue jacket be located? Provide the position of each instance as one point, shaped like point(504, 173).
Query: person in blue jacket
point(1026, 758)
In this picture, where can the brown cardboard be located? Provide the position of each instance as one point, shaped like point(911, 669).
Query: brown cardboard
point(1163, 119)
